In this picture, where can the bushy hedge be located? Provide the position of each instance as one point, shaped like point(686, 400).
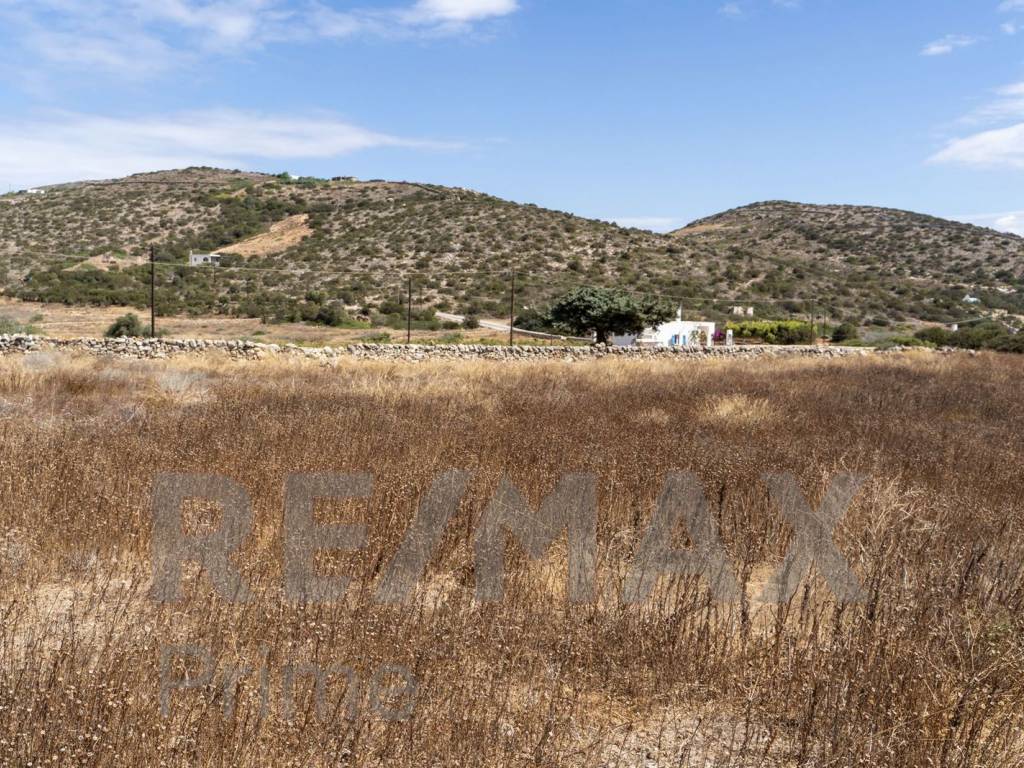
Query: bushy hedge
point(988, 335)
point(775, 331)
point(846, 332)
point(127, 325)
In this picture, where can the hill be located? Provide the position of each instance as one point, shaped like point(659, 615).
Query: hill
point(293, 247)
point(866, 245)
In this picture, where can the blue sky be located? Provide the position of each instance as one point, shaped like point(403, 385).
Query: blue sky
point(648, 112)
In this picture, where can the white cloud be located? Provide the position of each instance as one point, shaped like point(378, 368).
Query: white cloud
point(653, 223)
point(741, 9)
point(947, 45)
point(1010, 221)
point(462, 11)
point(69, 147)
point(1009, 106)
point(1011, 5)
point(998, 148)
point(135, 38)
point(1010, 28)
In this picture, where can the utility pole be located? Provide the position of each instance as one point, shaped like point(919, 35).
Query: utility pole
point(152, 291)
point(408, 315)
point(512, 312)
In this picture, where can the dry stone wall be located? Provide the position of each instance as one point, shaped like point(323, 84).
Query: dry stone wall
point(162, 348)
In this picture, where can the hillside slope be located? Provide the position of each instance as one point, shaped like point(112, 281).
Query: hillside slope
point(360, 242)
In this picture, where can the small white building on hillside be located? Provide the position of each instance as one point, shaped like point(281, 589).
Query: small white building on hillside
point(201, 259)
point(675, 333)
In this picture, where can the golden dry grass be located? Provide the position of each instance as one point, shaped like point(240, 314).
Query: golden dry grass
point(71, 322)
point(927, 672)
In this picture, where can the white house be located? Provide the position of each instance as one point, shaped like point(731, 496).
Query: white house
point(675, 333)
point(201, 259)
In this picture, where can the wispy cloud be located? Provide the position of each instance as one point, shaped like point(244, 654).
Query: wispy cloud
point(67, 147)
point(1009, 105)
point(948, 44)
point(1008, 221)
point(1011, 5)
point(1010, 28)
point(135, 38)
point(460, 11)
point(995, 147)
point(998, 148)
point(736, 9)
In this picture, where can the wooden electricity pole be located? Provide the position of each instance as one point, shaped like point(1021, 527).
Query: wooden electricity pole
point(408, 327)
point(512, 312)
point(152, 291)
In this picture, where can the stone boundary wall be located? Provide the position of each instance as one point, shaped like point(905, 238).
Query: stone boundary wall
point(163, 348)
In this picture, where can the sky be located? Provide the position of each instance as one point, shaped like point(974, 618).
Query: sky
point(650, 113)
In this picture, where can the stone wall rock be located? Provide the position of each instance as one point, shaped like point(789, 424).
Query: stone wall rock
point(163, 348)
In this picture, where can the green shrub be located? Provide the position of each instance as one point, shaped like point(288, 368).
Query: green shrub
point(987, 335)
point(845, 332)
point(775, 331)
point(940, 337)
point(534, 320)
point(471, 322)
point(8, 325)
point(126, 325)
point(1009, 343)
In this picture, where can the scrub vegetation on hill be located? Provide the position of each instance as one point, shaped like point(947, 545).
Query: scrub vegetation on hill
point(355, 245)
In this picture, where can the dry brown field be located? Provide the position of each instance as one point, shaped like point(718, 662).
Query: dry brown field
point(71, 322)
point(927, 670)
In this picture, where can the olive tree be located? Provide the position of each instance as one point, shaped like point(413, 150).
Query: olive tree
point(606, 311)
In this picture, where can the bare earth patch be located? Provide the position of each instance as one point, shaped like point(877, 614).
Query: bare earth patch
point(105, 261)
point(283, 235)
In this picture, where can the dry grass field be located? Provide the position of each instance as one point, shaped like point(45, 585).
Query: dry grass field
point(927, 671)
point(71, 322)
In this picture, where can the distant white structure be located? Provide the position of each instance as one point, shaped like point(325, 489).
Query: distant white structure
point(675, 333)
point(202, 259)
point(35, 191)
point(743, 311)
point(968, 299)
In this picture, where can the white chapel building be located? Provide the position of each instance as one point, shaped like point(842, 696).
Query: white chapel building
point(675, 333)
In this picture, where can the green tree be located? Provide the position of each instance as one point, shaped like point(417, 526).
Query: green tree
point(845, 332)
point(126, 325)
point(533, 320)
point(604, 311)
point(940, 337)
